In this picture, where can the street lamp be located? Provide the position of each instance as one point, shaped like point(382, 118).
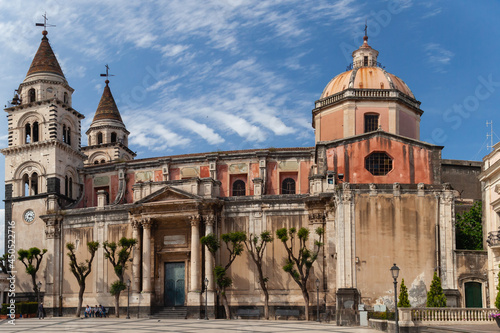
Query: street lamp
point(128, 299)
point(206, 298)
point(317, 301)
point(395, 274)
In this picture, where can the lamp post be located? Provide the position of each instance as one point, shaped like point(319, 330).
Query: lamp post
point(206, 298)
point(395, 274)
point(39, 287)
point(317, 301)
point(128, 299)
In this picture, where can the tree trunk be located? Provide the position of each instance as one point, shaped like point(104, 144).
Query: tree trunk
point(264, 290)
point(117, 305)
point(80, 300)
point(35, 289)
point(305, 294)
point(266, 303)
point(226, 305)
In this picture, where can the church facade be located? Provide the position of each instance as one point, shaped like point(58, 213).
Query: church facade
point(369, 181)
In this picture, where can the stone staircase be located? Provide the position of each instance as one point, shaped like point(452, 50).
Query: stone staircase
point(178, 312)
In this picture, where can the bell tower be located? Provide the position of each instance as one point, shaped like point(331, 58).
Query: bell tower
point(107, 135)
point(43, 154)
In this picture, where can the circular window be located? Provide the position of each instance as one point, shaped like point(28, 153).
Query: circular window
point(378, 163)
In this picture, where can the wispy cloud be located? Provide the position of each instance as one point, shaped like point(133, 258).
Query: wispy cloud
point(438, 57)
point(432, 13)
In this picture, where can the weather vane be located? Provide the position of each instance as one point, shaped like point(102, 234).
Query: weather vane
point(44, 24)
point(107, 75)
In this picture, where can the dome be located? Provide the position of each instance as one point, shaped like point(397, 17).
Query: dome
point(365, 74)
point(365, 78)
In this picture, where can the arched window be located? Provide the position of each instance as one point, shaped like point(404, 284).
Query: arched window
point(26, 185)
point(66, 186)
point(66, 100)
point(113, 137)
point(31, 95)
point(34, 184)
point(99, 138)
point(96, 162)
point(27, 133)
point(371, 122)
point(288, 186)
point(64, 133)
point(70, 187)
point(239, 188)
point(35, 131)
point(68, 136)
point(103, 161)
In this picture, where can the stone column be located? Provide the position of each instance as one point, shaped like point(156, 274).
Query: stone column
point(136, 255)
point(209, 259)
point(195, 284)
point(146, 255)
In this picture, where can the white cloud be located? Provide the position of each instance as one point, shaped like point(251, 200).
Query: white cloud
point(432, 13)
point(202, 130)
point(438, 57)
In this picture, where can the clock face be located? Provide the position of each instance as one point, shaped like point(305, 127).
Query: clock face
point(29, 215)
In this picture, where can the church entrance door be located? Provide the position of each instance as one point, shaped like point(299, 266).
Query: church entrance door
point(174, 294)
point(473, 295)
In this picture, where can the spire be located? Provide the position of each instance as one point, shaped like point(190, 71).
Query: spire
point(107, 109)
point(45, 60)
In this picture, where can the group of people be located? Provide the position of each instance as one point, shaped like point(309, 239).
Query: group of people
point(96, 311)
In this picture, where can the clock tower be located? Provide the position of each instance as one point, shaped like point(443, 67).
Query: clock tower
point(42, 158)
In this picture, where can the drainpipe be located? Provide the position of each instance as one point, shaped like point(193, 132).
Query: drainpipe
point(438, 242)
point(61, 261)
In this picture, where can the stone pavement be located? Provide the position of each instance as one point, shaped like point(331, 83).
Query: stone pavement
point(96, 325)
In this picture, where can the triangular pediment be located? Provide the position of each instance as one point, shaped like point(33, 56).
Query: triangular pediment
point(169, 194)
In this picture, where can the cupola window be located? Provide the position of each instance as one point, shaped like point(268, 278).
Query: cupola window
point(365, 61)
point(371, 122)
point(99, 138)
point(113, 137)
point(378, 163)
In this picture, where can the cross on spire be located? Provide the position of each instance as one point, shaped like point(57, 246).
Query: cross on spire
point(44, 24)
point(366, 27)
point(107, 75)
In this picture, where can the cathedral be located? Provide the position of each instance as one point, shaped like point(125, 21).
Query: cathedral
point(381, 194)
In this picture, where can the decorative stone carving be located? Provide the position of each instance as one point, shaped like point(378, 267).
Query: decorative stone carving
point(446, 187)
point(316, 217)
point(210, 220)
point(195, 219)
point(497, 188)
point(52, 228)
point(147, 223)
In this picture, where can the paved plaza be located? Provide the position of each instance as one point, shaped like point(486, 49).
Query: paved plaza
point(95, 325)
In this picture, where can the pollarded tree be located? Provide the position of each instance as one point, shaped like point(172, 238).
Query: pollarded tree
point(299, 264)
point(32, 259)
point(4, 263)
point(119, 262)
point(256, 246)
point(81, 270)
point(435, 296)
point(404, 301)
point(234, 244)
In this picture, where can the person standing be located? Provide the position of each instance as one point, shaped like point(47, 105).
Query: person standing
point(40, 311)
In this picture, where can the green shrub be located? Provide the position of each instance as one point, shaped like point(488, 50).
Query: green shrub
point(387, 315)
point(4, 310)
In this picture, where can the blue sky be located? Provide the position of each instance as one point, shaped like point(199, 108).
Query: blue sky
point(237, 74)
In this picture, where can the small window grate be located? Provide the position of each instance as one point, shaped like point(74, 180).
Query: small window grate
point(379, 164)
